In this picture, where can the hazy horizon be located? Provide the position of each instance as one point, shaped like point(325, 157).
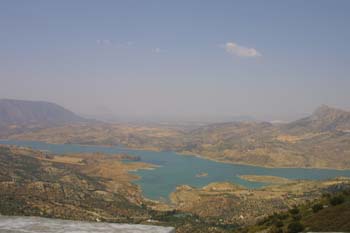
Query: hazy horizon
point(183, 60)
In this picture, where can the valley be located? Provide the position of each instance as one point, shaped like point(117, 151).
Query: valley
point(223, 177)
point(170, 169)
point(174, 116)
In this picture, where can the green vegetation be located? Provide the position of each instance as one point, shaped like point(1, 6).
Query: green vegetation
point(337, 200)
point(294, 210)
point(295, 227)
point(317, 207)
point(317, 215)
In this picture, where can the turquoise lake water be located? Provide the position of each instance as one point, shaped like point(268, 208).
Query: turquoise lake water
point(175, 169)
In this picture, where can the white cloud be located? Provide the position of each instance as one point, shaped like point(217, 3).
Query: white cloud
point(241, 51)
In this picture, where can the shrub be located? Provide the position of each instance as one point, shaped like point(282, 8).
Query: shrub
point(296, 217)
point(282, 216)
point(346, 192)
point(276, 230)
point(317, 207)
point(279, 224)
point(295, 227)
point(294, 211)
point(337, 200)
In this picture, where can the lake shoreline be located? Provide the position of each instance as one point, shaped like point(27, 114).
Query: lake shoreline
point(175, 169)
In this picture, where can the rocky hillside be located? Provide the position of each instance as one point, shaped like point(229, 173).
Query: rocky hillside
point(330, 213)
point(17, 115)
point(230, 203)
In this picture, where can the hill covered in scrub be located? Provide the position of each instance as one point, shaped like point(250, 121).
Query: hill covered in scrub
point(330, 213)
point(70, 187)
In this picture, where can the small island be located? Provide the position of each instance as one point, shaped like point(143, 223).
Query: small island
point(202, 174)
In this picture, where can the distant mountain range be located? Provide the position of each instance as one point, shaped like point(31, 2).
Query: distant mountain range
point(320, 140)
point(16, 115)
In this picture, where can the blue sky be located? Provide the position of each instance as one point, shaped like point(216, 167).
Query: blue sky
point(177, 59)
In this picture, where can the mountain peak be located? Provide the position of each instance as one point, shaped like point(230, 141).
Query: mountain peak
point(25, 113)
point(324, 118)
point(323, 107)
point(325, 111)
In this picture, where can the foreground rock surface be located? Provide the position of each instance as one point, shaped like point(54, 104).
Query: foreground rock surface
point(45, 225)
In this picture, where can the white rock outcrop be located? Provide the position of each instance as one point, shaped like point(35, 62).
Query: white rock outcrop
point(47, 225)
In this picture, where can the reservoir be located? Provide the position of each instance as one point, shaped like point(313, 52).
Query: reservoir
point(176, 169)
